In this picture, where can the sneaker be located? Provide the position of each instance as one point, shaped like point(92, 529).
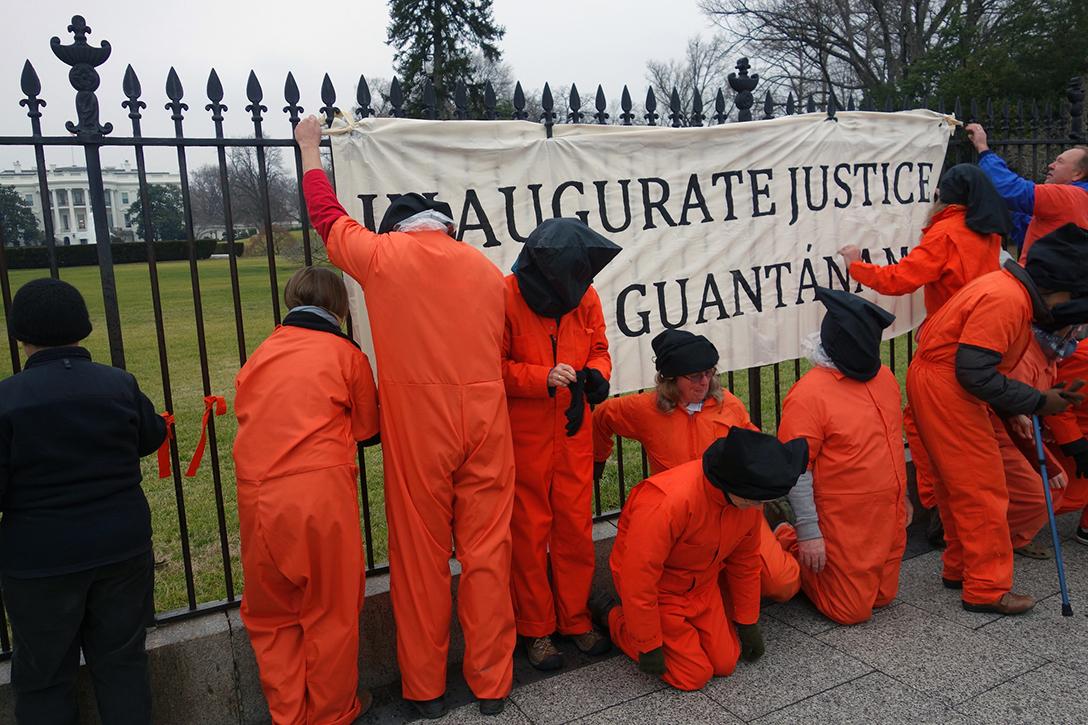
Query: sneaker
point(1081, 537)
point(431, 709)
point(592, 643)
point(1032, 551)
point(543, 654)
point(492, 706)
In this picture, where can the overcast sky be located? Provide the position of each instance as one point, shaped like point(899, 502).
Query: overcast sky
point(560, 41)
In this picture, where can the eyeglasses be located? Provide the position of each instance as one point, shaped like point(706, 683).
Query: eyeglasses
point(700, 376)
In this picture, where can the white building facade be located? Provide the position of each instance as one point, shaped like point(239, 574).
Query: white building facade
point(73, 222)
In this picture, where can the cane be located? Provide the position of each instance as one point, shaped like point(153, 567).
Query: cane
point(1067, 608)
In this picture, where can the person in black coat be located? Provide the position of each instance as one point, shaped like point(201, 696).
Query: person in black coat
point(76, 564)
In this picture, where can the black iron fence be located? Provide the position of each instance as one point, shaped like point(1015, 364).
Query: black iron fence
point(1029, 133)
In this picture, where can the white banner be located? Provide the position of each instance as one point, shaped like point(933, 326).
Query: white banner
point(725, 230)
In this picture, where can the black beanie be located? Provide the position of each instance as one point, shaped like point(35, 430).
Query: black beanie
point(49, 313)
point(1058, 262)
point(407, 205)
point(755, 465)
point(679, 352)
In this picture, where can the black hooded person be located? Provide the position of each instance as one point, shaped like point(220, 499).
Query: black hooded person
point(555, 365)
point(851, 508)
point(686, 560)
point(960, 373)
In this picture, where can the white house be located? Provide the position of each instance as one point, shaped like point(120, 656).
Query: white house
point(72, 219)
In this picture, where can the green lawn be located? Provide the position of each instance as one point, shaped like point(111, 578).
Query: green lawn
point(186, 383)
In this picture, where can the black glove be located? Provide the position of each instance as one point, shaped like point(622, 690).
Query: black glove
point(652, 662)
point(576, 411)
point(751, 641)
point(598, 470)
point(1078, 451)
point(596, 386)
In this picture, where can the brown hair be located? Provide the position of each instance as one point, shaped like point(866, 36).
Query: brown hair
point(317, 286)
point(668, 395)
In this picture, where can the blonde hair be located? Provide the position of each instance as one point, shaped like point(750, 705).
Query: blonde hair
point(668, 394)
point(319, 287)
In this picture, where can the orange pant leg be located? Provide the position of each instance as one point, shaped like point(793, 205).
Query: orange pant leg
point(302, 555)
point(530, 529)
point(1027, 505)
point(924, 473)
point(971, 492)
point(888, 587)
point(779, 573)
point(837, 595)
point(1074, 497)
point(483, 499)
point(573, 557)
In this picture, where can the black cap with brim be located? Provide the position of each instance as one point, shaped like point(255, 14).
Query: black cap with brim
point(407, 205)
point(755, 465)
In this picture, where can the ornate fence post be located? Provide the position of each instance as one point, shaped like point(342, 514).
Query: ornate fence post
point(83, 58)
point(743, 85)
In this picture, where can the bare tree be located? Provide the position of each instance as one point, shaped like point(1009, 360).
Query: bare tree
point(704, 66)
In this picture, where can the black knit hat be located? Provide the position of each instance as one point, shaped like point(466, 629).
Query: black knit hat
point(755, 465)
point(49, 313)
point(679, 352)
point(407, 205)
point(1058, 262)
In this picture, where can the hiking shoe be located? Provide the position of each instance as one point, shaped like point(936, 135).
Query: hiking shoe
point(1081, 537)
point(935, 529)
point(431, 709)
point(592, 643)
point(543, 654)
point(1032, 551)
point(952, 583)
point(489, 706)
point(1009, 603)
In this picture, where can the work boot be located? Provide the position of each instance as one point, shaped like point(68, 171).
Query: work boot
point(542, 654)
point(1081, 537)
point(492, 706)
point(951, 583)
point(1032, 551)
point(592, 643)
point(431, 709)
point(1009, 603)
point(935, 529)
point(599, 607)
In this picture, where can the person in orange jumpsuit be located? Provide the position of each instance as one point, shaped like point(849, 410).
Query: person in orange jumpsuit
point(676, 422)
point(681, 531)
point(1070, 430)
point(555, 364)
point(852, 510)
point(304, 398)
point(965, 352)
point(961, 242)
point(449, 463)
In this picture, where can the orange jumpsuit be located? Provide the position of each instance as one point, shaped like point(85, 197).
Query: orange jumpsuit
point(303, 398)
point(449, 464)
point(554, 471)
point(1068, 427)
point(855, 443)
point(992, 312)
point(678, 437)
point(949, 256)
point(1055, 205)
point(677, 536)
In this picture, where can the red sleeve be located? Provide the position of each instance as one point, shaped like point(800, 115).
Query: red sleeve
point(321, 201)
point(599, 359)
point(364, 400)
point(923, 265)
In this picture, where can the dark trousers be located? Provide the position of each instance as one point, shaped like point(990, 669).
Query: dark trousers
point(102, 611)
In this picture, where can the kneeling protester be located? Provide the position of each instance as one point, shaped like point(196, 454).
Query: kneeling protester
point(680, 532)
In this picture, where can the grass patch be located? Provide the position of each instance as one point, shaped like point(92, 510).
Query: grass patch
point(224, 354)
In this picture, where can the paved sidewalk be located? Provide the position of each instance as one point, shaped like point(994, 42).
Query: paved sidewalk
point(921, 660)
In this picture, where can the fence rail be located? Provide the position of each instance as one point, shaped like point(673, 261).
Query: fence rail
point(1030, 138)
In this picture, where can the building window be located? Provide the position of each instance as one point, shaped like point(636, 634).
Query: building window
point(62, 197)
point(81, 220)
point(77, 197)
point(109, 198)
point(128, 221)
point(124, 197)
point(29, 199)
point(65, 222)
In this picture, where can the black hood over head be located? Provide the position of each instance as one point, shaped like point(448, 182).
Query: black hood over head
point(557, 264)
point(851, 332)
point(1058, 262)
point(969, 185)
point(407, 205)
point(754, 465)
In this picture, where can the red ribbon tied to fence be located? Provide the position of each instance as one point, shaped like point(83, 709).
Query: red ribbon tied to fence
point(164, 449)
point(212, 403)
